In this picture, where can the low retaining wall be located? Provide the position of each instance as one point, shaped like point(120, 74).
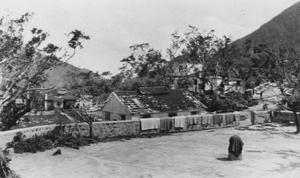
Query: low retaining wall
point(105, 129)
point(8, 136)
point(101, 129)
point(259, 117)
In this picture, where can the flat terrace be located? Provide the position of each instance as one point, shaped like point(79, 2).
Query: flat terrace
point(269, 151)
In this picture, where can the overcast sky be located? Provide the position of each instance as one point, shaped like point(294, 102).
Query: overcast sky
point(114, 25)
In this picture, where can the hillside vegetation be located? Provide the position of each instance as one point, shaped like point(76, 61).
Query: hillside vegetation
point(284, 29)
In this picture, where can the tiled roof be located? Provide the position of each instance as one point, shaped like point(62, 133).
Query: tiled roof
point(153, 90)
point(52, 97)
point(175, 100)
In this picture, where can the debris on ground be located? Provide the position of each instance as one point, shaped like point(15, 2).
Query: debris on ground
point(260, 127)
point(57, 152)
point(5, 171)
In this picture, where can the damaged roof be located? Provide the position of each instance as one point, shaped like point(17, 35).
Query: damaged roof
point(153, 90)
point(158, 99)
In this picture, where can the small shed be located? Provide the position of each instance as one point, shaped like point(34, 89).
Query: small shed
point(150, 102)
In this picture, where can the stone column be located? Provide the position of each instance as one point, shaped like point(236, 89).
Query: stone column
point(46, 102)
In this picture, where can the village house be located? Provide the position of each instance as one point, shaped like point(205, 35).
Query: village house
point(150, 102)
point(187, 69)
point(58, 99)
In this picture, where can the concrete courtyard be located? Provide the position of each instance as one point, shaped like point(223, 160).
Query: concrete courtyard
point(269, 151)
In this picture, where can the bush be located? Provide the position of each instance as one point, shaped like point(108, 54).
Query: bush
point(221, 105)
point(33, 145)
point(252, 102)
point(228, 103)
point(52, 139)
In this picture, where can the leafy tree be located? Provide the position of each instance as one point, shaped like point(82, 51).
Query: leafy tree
point(81, 83)
point(196, 47)
point(257, 64)
point(287, 68)
point(23, 63)
point(282, 66)
point(205, 53)
point(145, 66)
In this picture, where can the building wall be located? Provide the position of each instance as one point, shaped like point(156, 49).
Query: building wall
point(183, 68)
point(184, 113)
point(116, 108)
point(67, 104)
point(195, 86)
point(179, 113)
point(216, 80)
point(234, 87)
point(159, 115)
point(180, 69)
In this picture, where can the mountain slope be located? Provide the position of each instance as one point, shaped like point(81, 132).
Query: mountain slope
point(56, 76)
point(284, 29)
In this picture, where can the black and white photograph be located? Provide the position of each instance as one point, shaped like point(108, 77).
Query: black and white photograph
point(150, 89)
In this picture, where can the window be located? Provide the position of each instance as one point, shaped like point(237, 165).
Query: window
point(194, 112)
point(122, 117)
point(107, 116)
point(180, 68)
point(145, 116)
point(195, 81)
point(200, 74)
point(172, 114)
point(226, 80)
point(201, 86)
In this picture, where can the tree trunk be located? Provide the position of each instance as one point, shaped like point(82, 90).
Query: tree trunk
point(296, 120)
point(91, 129)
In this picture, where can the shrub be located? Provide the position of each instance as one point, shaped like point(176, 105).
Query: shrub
point(230, 102)
point(52, 139)
point(252, 102)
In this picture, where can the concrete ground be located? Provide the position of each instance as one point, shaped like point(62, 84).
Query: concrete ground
point(269, 151)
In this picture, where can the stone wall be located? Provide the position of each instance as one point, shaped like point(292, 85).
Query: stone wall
point(259, 117)
point(246, 115)
point(105, 129)
point(8, 136)
point(101, 129)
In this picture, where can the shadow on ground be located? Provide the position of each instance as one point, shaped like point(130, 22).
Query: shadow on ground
point(223, 159)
